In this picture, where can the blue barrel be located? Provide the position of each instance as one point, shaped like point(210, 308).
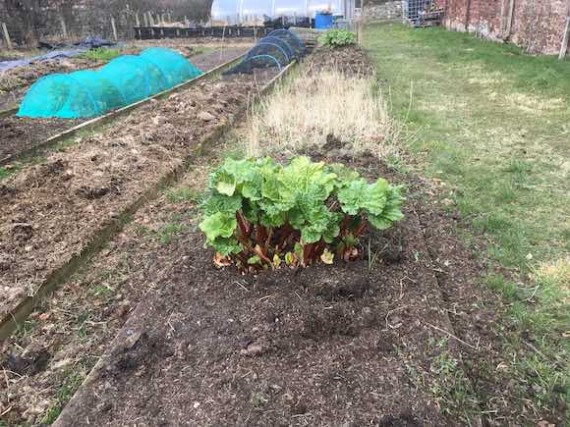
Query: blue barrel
point(323, 21)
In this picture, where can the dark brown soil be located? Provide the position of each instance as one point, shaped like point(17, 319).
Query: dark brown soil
point(350, 344)
point(75, 192)
point(351, 60)
point(20, 134)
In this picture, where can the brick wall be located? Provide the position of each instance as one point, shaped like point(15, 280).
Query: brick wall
point(538, 25)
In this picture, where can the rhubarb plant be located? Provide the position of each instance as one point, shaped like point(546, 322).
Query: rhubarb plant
point(261, 214)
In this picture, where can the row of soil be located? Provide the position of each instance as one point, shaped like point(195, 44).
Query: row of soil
point(14, 83)
point(353, 344)
point(349, 344)
point(18, 135)
point(52, 210)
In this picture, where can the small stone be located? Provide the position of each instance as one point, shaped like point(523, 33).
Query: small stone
point(252, 350)
point(205, 116)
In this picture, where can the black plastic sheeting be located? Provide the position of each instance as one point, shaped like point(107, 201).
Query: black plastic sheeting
point(87, 43)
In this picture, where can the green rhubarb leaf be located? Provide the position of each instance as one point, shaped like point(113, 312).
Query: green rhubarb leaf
point(218, 203)
point(331, 233)
point(344, 174)
point(302, 176)
point(254, 260)
point(218, 225)
point(376, 199)
point(226, 246)
point(380, 222)
point(353, 197)
point(223, 182)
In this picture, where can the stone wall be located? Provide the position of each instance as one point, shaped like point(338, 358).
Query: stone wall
point(383, 12)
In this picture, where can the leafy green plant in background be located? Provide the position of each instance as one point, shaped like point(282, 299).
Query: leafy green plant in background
point(260, 214)
point(337, 38)
point(101, 54)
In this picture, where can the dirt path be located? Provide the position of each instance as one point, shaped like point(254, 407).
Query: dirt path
point(20, 134)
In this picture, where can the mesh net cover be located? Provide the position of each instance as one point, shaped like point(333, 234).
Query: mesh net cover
point(123, 81)
point(291, 38)
point(277, 49)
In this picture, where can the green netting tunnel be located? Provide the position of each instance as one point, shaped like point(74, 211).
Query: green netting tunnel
point(123, 81)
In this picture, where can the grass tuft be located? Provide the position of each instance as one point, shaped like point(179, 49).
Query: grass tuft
point(101, 54)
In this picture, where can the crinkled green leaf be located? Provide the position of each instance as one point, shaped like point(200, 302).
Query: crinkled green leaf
point(380, 222)
point(226, 246)
point(353, 197)
point(375, 202)
point(344, 174)
point(217, 203)
point(218, 225)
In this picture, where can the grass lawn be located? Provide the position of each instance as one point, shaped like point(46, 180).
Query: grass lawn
point(492, 124)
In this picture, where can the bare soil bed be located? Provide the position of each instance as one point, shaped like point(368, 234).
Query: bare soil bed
point(20, 134)
point(351, 60)
point(50, 211)
point(350, 344)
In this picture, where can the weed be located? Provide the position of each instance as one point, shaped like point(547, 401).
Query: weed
point(101, 54)
point(169, 231)
point(26, 327)
point(451, 387)
point(258, 399)
point(66, 391)
point(142, 230)
point(5, 172)
point(101, 291)
point(182, 194)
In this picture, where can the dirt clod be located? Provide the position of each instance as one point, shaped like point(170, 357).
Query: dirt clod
point(31, 362)
point(205, 116)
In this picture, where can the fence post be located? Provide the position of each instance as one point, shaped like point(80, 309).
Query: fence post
point(564, 47)
point(6, 36)
point(63, 27)
point(115, 36)
point(150, 19)
point(137, 20)
point(510, 18)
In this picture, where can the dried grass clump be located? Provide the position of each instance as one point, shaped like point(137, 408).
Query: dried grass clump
point(304, 111)
point(556, 274)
